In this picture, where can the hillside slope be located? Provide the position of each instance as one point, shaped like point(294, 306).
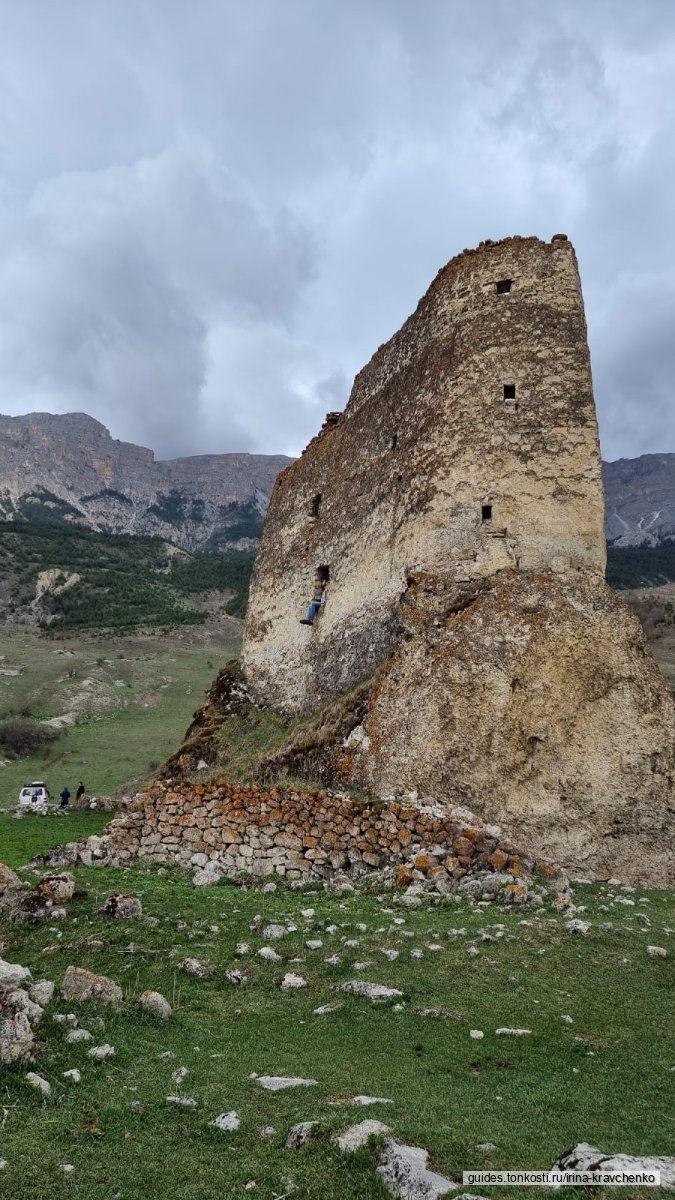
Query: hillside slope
point(640, 499)
point(68, 469)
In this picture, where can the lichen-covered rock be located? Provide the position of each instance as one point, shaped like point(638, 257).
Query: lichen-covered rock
point(56, 889)
point(119, 907)
point(8, 879)
point(155, 1003)
point(17, 1039)
point(525, 702)
point(13, 974)
point(79, 984)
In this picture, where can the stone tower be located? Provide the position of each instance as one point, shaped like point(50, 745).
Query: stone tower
point(456, 506)
point(469, 446)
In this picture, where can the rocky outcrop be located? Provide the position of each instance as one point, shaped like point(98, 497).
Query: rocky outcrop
point(537, 706)
point(68, 468)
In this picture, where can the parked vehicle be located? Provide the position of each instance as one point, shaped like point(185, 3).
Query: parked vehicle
point(34, 797)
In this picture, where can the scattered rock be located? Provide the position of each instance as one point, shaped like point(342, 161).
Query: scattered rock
point(41, 992)
point(119, 907)
point(56, 889)
point(40, 1084)
point(376, 992)
point(193, 966)
point(657, 952)
point(208, 876)
point(477, 1034)
point(577, 926)
point(236, 977)
point(179, 1075)
point(79, 984)
point(299, 1135)
point(79, 1035)
point(243, 948)
point(73, 1075)
point(17, 1036)
point(365, 1100)
point(584, 1157)
point(272, 933)
point(357, 1135)
point(227, 1122)
point(155, 1003)
point(292, 981)
point(485, 1147)
point(8, 880)
point(182, 1101)
point(99, 1053)
point(323, 1009)
point(278, 1083)
point(268, 1131)
point(403, 1171)
point(269, 954)
point(13, 975)
point(505, 1031)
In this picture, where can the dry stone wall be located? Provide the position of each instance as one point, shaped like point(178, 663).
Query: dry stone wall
point(299, 835)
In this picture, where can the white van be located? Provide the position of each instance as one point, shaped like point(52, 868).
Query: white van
point(34, 797)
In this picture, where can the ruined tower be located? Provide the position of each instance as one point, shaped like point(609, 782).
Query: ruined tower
point(456, 508)
point(469, 445)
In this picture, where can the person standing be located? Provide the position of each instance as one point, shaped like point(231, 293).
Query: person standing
point(65, 798)
point(81, 789)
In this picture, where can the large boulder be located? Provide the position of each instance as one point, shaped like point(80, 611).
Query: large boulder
point(535, 704)
point(79, 984)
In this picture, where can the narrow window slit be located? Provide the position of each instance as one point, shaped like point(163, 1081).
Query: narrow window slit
point(315, 506)
point(485, 513)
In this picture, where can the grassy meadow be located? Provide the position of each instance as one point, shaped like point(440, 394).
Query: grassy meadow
point(605, 1076)
point(130, 699)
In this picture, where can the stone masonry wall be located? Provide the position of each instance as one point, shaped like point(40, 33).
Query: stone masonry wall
point(427, 446)
point(299, 835)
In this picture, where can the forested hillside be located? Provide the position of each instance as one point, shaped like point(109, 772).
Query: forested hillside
point(67, 579)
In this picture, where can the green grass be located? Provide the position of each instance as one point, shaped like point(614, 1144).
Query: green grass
point(21, 840)
point(134, 697)
point(605, 1079)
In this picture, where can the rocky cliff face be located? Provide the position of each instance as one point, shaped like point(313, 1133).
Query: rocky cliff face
point(640, 499)
point(68, 468)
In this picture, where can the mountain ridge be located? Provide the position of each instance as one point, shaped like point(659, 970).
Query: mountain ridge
point(68, 468)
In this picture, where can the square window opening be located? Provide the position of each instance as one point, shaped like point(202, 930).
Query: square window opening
point(503, 287)
point(485, 513)
point(509, 391)
point(323, 573)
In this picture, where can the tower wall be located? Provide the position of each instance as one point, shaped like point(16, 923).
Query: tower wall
point(469, 445)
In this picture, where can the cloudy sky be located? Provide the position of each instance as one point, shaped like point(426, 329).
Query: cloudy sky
point(212, 212)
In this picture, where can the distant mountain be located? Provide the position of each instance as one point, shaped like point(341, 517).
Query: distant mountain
point(640, 500)
point(67, 469)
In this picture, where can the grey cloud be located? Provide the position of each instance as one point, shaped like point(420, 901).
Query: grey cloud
point(209, 219)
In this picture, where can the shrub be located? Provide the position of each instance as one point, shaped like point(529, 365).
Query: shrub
point(18, 737)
